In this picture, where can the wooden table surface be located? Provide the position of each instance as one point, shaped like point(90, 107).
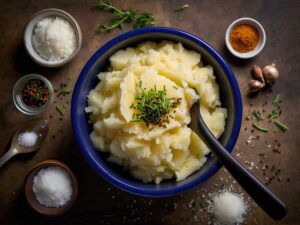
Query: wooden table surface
point(98, 201)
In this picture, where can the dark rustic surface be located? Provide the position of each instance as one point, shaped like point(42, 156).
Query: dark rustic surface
point(99, 202)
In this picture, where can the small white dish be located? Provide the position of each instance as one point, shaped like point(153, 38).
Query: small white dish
point(28, 33)
point(261, 42)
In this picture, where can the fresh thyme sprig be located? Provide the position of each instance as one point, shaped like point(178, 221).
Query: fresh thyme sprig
point(153, 106)
point(139, 19)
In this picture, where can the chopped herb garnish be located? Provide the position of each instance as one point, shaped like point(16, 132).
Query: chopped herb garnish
point(258, 127)
point(139, 19)
point(256, 115)
point(176, 88)
point(263, 155)
point(281, 126)
point(59, 111)
point(63, 93)
point(276, 101)
point(181, 8)
point(153, 106)
point(272, 115)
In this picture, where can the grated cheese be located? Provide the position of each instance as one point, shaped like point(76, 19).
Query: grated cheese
point(54, 39)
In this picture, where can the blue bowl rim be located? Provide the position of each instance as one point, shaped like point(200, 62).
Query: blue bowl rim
point(156, 192)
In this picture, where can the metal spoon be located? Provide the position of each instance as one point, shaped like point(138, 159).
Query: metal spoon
point(39, 127)
point(270, 203)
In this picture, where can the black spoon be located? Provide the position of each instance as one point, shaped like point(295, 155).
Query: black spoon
point(269, 202)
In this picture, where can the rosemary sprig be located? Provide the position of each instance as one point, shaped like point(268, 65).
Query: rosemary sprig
point(139, 19)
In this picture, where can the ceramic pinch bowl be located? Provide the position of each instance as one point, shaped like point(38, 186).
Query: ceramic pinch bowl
point(261, 42)
point(29, 31)
point(30, 195)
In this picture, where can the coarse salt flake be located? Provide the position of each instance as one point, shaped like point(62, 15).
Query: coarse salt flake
point(227, 208)
point(28, 139)
point(52, 187)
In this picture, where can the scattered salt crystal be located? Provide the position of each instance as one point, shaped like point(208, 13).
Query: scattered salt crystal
point(227, 208)
point(28, 139)
point(52, 187)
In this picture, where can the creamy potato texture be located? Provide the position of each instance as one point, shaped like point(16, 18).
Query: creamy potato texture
point(152, 155)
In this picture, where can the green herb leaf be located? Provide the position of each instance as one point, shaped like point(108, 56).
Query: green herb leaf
point(153, 106)
point(139, 19)
point(256, 115)
point(281, 126)
point(277, 100)
point(272, 115)
point(59, 111)
point(258, 127)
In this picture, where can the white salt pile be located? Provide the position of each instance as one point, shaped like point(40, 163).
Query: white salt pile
point(227, 208)
point(54, 39)
point(52, 187)
point(27, 139)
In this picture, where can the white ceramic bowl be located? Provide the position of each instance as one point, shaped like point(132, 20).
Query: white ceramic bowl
point(261, 42)
point(28, 33)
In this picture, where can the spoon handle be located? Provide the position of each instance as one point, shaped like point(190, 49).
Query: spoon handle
point(270, 203)
point(8, 155)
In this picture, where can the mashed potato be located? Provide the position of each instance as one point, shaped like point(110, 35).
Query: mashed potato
point(174, 150)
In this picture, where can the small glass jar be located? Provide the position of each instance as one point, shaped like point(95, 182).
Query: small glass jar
point(18, 98)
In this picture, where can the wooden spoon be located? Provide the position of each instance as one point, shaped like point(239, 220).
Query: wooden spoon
point(269, 202)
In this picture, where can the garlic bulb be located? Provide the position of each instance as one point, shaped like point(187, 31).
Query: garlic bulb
point(255, 85)
point(257, 73)
point(270, 73)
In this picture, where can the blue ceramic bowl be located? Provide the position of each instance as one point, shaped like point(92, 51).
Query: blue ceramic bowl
point(230, 98)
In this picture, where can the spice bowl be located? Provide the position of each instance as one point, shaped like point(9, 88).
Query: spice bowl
point(18, 94)
point(261, 40)
point(31, 196)
point(30, 29)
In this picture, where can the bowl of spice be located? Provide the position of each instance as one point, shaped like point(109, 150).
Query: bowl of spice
point(51, 188)
point(32, 94)
point(245, 38)
point(52, 38)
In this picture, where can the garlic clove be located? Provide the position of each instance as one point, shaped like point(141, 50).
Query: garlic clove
point(257, 73)
point(255, 85)
point(270, 73)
